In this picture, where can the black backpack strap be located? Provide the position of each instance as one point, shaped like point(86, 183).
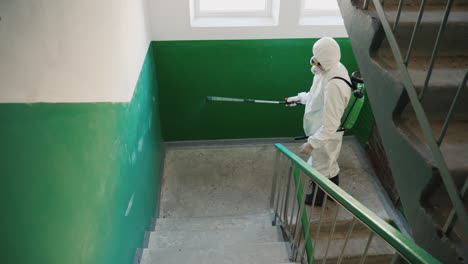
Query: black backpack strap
point(342, 128)
point(344, 80)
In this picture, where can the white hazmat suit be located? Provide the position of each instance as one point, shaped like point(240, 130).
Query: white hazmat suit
point(324, 106)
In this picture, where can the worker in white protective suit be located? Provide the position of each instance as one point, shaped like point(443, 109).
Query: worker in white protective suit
point(325, 104)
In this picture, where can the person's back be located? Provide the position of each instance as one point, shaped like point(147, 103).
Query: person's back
point(325, 104)
point(315, 98)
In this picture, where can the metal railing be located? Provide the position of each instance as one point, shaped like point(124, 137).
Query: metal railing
point(456, 195)
point(306, 227)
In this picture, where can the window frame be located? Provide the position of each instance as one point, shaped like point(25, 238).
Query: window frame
point(318, 12)
point(267, 12)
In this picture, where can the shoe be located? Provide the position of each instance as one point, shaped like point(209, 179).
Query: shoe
point(309, 199)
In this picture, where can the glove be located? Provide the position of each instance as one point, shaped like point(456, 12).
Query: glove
point(292, 99)
point(306, 148)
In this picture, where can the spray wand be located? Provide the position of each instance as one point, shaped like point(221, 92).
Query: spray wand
point(240, 100)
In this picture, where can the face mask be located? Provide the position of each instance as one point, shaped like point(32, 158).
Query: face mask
point(317, 70)
point(316, 67)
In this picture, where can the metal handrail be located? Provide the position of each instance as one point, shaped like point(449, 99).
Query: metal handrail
point(453, 192)
point(404, 246)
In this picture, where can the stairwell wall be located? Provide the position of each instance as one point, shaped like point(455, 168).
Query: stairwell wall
point(260, 62)
point(269, 69)
point(78, 180)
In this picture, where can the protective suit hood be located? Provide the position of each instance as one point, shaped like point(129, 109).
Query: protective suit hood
point(327, 52)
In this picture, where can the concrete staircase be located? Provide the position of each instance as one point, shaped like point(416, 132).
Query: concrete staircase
point(235, 239)
point(215, 207)
point(449, 70)
point(422, 193)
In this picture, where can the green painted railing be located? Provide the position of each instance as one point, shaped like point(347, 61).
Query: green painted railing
point(284, 184)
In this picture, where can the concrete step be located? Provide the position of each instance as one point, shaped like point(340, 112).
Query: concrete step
point(212, 238)
point(451, 62)
point(421, 63)
point(259, 253)
point(438, 204)
point(454, 148)
point(253, 221)
point(447, 75)
point(379, 252)
point(451, 44)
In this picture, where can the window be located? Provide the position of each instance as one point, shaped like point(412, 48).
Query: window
point(233, 6)
point(320, 12)
point(227, 13)
point(321, 5)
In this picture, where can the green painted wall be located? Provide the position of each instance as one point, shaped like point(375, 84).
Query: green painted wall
point(68, 172)
point(188, 71)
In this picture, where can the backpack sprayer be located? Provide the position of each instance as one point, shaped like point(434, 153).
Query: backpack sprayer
point(354, 107)
point(351, 113)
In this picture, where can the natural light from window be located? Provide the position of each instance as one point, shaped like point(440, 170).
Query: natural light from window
point(232, 5)
point(319, 4)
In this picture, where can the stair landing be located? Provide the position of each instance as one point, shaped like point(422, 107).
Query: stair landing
point(235, 177)
point(215, 206)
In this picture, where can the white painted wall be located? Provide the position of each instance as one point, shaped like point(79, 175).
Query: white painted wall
point(170, 20)
point(93, 51)
point(71, 51)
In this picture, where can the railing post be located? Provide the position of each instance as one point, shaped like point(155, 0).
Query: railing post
point(396, 259)
point(397, 19)
point(307, 230)
point(366, 4)
point(274, 184)
point(296, 191)
point(286, 198)
point(448, 224)
point(405, 247)
point(317, 233)
point(332, 231)
point(281, 196)
point(436, 47)
point(348, 234)
point(415, 30)
point(364, 255)
point(278, 197)
point(452, 108)
point(298, 224)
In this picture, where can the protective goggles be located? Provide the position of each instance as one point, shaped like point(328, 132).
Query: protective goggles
point(314, 62)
